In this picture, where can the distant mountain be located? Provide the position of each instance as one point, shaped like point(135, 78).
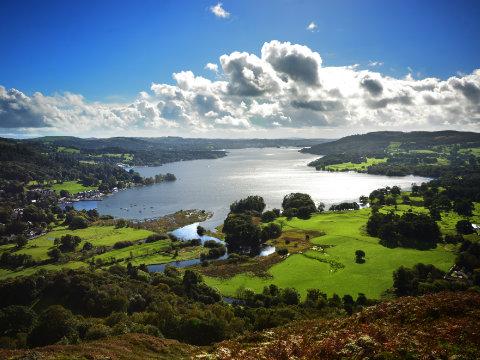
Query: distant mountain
point(170, 143)
point(377, 142)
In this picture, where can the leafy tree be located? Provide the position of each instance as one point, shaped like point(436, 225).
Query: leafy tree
point(290, 296)
point(69, 242)
point(21, 241)
point(251, 203)
point(120, 223)
point(241, 234)
point(464, 227)
point(395, 190)
point(363, 200)
point(271, 231)
point(345, 206)
point(269, 216)
point(16, 319)
point(411, 230)
point(78, 222)
point(64, 193)
point(298, 204)
point(87, 246)
point(55, 323)
point(55, 254)
point(201, 230)
point(412, 281)
point(463, 207)
point(359, 256)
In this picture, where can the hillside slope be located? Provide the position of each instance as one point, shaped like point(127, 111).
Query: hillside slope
point(377, 142)
point(437, 326)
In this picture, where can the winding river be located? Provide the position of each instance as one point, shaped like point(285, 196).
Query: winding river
point(214, 184)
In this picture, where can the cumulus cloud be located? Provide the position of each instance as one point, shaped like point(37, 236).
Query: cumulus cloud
point(312, 27)
point(219, 11)
point(375, 63)
point(283, 88)
point(212, 67)
point(298, 62)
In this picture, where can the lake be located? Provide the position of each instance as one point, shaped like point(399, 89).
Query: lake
point(213, 185)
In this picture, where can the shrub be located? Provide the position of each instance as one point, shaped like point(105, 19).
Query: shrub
point(156, 237)
point(282, 251)
point(271, 231)
point(97, 331)
point(122, 244)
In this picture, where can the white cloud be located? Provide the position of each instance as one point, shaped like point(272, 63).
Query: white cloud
point(312, 27)
point(282, 91)
point(219, 11)
point(212, 67)
point(375, 63)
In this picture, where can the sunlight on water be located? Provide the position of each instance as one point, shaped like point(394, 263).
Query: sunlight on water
point(214, 184)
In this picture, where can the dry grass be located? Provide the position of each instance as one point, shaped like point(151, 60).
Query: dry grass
point(437, 326)
point(125, 347)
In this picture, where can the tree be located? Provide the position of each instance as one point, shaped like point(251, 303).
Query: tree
point(464, 227)
point(55, 254)
point(359, 256)
point(321, 207)
point(87, 246)
point(363, 200)
point(290, 296)
point(69, 242)
point(435, 213)
point(120, 223)
point(55, 323)
point(463, 207)
point(64, 193)
point(403, 281)
point(78, 222)
point(21, 241)
point(201, 230)
point(241, 234)
point(271, 231)
point(269, 216)
point(395, 190)
point(251, 203)
point(16, 319)
point(298, 204)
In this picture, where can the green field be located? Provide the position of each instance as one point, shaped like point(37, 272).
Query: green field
point(349, 166)
point(125, 157)
point(68, 150)
point(97, 235)
point(316, 269)
point(73, 187)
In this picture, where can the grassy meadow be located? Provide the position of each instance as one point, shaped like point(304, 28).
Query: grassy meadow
point(73, 187)
point(330, 266)
point(349, 166)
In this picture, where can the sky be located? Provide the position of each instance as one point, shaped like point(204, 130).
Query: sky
point(237, 68)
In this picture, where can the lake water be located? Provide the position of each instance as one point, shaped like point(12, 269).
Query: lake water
point(213, 185)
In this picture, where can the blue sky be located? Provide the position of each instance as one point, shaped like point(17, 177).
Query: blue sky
point(111, 50)
point(277, 68)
